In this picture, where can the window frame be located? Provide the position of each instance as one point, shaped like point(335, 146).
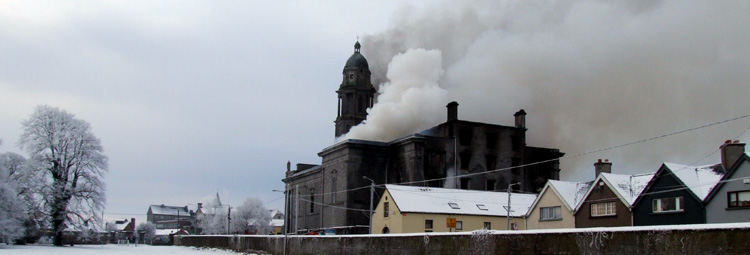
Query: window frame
point(608, 207)
point(657, 204)
point(386, 209)
point(738, 204)
point(556, 214)
point(430, 223)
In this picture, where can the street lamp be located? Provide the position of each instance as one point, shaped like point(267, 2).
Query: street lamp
point(372, 195)
point(286, 200)
point(508, 208)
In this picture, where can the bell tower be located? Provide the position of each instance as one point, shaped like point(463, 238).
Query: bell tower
point(355, 94)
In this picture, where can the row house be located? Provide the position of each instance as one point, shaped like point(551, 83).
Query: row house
point(674, 194)
point(413, 209)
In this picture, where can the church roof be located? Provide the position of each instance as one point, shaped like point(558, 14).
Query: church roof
point(357, 60)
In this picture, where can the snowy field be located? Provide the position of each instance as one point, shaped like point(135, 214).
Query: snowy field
point(111, 249)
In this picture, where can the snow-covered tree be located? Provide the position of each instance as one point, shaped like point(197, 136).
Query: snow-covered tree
point(11, 209)
point(213, 219)
point(72, 165)
point(149, 230)
point(251, 217)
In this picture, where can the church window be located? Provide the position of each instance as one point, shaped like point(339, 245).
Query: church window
point(351, 76)
point(516, 142)
point(491, 162)
point(312, 200)
point(490, 185)
point(464, 137)
point(465, 183)
point(333, 188)
point(491, 140)
point(360, 105)
point(465, 158)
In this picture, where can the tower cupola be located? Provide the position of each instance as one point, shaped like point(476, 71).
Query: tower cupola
point(355, 94)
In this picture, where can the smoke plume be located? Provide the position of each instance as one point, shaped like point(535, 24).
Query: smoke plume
point(590, 74)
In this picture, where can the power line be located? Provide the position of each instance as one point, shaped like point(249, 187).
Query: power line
point(564, 157)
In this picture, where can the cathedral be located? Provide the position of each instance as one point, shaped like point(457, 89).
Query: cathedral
point(335, 195)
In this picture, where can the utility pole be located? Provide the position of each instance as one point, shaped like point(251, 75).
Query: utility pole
point(296, 210)
point(508, 208)
point(372, 197)
point(229, 218)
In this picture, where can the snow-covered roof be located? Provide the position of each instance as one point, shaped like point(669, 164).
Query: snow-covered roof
point(166, 232)
point(571, 193)
point(121, 225)
point(698, 179)
point(452, 201)
point(626, 187)
point(169, 210)
point(277, 222)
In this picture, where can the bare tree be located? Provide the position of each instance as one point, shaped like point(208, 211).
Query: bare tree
point(72, 163)
point(251, 217)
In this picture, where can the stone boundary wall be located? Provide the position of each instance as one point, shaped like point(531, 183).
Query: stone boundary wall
point(727, 239)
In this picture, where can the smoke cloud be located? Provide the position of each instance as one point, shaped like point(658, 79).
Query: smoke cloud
point(590, 74)
point(411, 100)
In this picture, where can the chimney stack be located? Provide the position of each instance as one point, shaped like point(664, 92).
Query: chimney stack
point(452, 111)
point(520, 119)
point(602, 167)
point(731, 151)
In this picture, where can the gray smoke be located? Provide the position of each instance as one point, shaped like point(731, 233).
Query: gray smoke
point(590, 74)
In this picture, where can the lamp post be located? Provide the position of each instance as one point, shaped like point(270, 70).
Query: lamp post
point(508, 208)
point(372, 197)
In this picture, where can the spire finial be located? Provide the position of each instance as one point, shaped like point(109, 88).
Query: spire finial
point(356, 45)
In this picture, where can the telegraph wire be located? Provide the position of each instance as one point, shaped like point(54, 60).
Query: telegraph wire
point(543, 161)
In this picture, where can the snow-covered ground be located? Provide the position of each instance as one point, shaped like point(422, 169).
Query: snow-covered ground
point(111, 249)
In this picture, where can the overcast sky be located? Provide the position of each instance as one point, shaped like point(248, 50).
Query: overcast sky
point(191, 98)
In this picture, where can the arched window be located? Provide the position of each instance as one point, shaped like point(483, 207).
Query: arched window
point(334, 190)
point(386, 230)
point(312, 200)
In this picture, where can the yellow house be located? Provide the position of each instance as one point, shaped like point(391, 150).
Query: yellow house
point(555, 205)
point(410, 209)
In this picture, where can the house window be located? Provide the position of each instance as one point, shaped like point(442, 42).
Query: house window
point(488, 225)
point(454, 206)
point(386, 208)
point(482, 207)
point(738, 199)
point(550, 213)
point(603, 209)
point(671, 204)
point(459, 225)
point(428, 225)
